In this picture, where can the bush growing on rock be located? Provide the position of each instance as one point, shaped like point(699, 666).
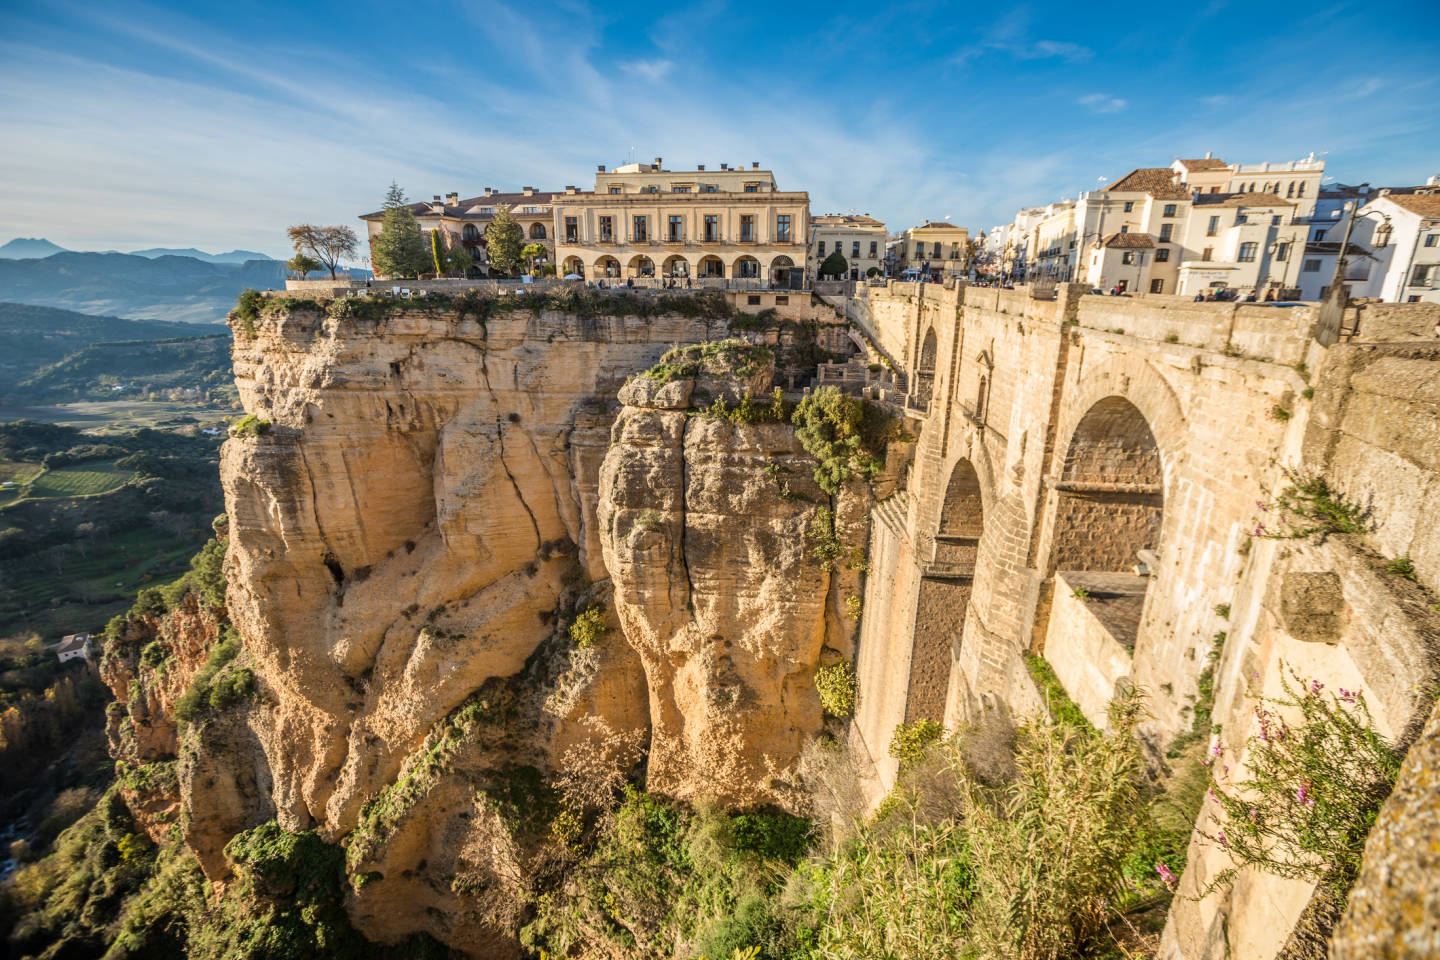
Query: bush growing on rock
point(845, 434)
point(837, 687)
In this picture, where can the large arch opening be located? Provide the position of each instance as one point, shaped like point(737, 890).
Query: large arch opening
point(782, 271)
point(642, 266)
point(925, 370)
point(747, 268)
point(607, 267)
point(945, 594)
point(537, 231)
point(1109, 510)
point(677, 266)
point(712, 267)
point(573, 267)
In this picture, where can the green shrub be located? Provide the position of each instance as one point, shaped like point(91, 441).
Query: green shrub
point(1308, 507)
point(1062, 708)
point(837, 687)
point(247, 309)
point(846, 435)
point(1401, 567)
point(737, 359)
point(749, 410)
point(908, 742)
point(200, 696)
point(250, 426)
point(853, 607)
point(588, 627)
point(822, 534)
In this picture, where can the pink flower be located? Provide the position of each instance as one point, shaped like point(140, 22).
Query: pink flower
point(1211, 791)
point(1260, 504)
point(1254, 815)
point(1215, 751)
point(1316, 686)
point(1223, 842)
point(1303, 795)
point(1166, 876)
point(1347, 695)
point(1259, 529)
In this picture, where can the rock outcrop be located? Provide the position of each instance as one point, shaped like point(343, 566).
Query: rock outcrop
point(715, 536)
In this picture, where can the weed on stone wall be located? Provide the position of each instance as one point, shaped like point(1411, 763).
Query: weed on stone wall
point(846, 435)
point(1309, 507)
point(837, 686)
point(1313, 788)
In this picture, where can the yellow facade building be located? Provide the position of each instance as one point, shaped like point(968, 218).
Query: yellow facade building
point(644, 221)
point(860, 238)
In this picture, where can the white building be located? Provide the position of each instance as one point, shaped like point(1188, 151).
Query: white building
point(860, 238)
point(1402, 233)
point(76, 646)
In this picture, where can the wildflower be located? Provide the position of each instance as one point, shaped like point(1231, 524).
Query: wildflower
point(1211, 791)
point(1347, 695)
point(1215, 751)
point(1254, 815)
point(1261, 505)
point(1223, 842)
point(1302, 795)
point(1259, 529)
point(1166, 876)
point(1316, 686)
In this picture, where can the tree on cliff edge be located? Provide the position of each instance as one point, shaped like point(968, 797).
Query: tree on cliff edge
point(398, 250)
point(325, 244)
point(503, 240)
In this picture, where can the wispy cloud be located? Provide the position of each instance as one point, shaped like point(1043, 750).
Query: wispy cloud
point(1025, 50)
point(651, 70)
point(1103, 103)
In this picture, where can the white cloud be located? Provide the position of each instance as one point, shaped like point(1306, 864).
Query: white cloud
point(650, 70)
point(1103, 103)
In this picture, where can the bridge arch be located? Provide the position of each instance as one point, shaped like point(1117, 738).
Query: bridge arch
point(925, 369)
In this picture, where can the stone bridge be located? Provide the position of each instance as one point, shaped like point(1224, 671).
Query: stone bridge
point(1087, 486)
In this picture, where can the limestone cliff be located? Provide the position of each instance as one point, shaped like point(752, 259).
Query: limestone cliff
point(413, 527)
point(714, 533)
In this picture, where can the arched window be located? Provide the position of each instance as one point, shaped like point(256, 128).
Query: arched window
point(1300, 192)
point(470, 234)
point(537, 231)
point(1290, 190)
point(1382, 234)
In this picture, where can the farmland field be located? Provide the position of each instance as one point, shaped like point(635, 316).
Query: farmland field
point(79, 480)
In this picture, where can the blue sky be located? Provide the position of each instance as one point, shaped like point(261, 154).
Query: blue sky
point(131, 125)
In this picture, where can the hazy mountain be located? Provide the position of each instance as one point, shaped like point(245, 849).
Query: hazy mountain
point(33, 338)
point(163, 287)
point(234, 256)
point(26, 248)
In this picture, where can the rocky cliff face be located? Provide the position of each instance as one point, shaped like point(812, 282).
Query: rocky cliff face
point(412, 535)
point(713, 531)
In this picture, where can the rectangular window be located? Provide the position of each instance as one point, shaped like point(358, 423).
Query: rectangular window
point(1241, 218)
point(874, 247)
point(1208, 253)
point(821, 251)
point(679, 189)
point(1166, 229)
point(642, 229)
point(747, 228)
point(1157, 286)
point(1127, 257)
point(753, 299)
point(854, 249)
point(1282, 252)
point(709, 188)
point(572, 230)
point(1424, 275)
point(1169, 212)
point(616, 188)
point(1125, 228)
point(1162, 255)
point(1129, 205)
point(936, 254)
point(712, 228)
point(1431, 239)
point(1275, 221)
point(752, 188)
point(677, 231)
point(782, 228)
point(607, 229)
point(1247, 252)
point(1311, 266)
point(1213, 228)
point(782, 301)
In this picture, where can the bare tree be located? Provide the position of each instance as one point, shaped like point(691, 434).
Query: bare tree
point(325, 244)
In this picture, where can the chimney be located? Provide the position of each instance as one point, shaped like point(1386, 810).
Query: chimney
point(569, 188)
point(436, 198)
point(1207, 154)
point(754, 164)
point(600, 168)
point(724, 166)
point(700, 166)
point(452, 198)
point(529, 191)
point(488, 191)
point(658, 162)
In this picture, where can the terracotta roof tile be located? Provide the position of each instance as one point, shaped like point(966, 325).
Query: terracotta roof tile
point(1159, 182)
point(1204, 163)
point(1245, 199)
point(1426, 205)
point(1124, 241)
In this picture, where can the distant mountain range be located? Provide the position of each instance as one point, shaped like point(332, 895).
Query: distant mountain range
point(158, 284)
point(35, 248)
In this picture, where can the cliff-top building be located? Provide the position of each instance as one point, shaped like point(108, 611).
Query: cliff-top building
point(642, 220)
point(934, 249)
point(859, 238)
point(464, 221)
